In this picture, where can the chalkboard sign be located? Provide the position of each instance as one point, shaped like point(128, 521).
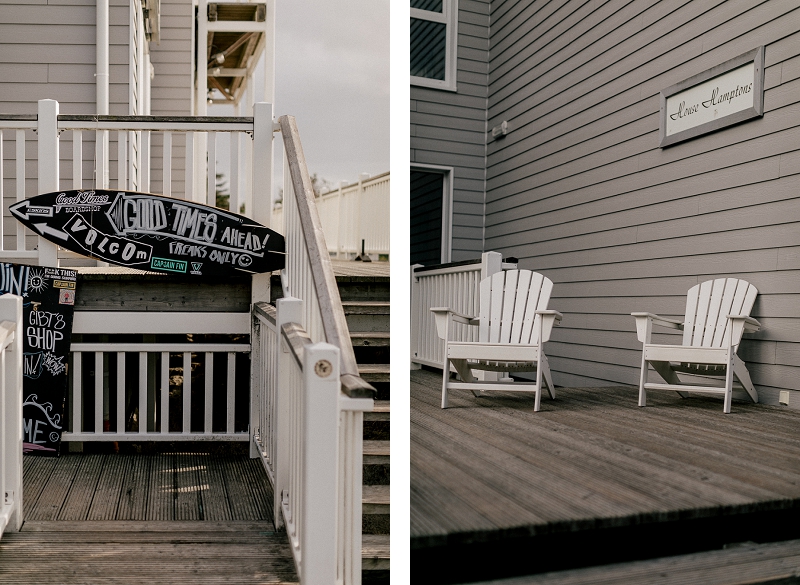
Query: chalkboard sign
point(48, 302)
point(153, 232)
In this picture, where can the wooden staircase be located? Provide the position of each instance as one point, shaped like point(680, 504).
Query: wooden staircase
point(367, 312)
point(365, 297)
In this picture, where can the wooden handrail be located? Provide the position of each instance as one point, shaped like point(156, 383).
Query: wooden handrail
point(296, 339)
point(330, 303)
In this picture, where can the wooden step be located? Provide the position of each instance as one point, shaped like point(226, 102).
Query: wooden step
point(370, 338)
point(374, 372)
point(380, 411)
point(375, 499)
point(376, 452)
point(375, 552)
point(366, 307)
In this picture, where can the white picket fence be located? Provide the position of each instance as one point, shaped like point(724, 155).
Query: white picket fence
point(455, 285)
point(352, 213)
point(138, 407)
point(10, 413)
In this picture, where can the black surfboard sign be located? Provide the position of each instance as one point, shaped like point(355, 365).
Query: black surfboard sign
point(153, 232)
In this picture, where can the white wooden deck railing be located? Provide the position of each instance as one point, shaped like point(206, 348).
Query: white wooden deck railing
point(175, 156)
point(455, 285)
point(353, 213)
point(150, 396)
point(307, 415)
point(10, 413)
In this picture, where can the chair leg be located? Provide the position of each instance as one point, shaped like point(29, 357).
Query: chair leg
point(642, 380)
point(741, 373)
point(538, 390)
point(445, 380)
point(728, 386)
point(551, 389)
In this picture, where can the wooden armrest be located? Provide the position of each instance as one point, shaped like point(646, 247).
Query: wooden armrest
point(750, 324)
point(549, 318)
point(642, 320)
point(443, 313)
point(742, 324)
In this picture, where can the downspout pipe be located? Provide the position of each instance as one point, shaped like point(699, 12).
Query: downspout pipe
point(101, 81)
point(102, 56)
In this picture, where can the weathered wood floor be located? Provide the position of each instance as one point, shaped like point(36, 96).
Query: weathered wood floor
point(135, 553)
point(164, 486)
point(164, 518)
point(592, 478)
point(750, 563)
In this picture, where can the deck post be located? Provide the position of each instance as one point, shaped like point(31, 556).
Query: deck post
point(416, 318)
point(11, 457)
point(289, 310)
point(262, 185)
point(321, 445)
point(47, 130)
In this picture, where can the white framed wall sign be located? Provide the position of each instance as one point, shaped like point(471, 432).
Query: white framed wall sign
point(724, 95)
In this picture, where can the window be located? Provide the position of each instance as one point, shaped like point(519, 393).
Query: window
point(433, 43)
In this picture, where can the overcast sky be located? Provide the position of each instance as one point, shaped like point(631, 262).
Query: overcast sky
point(332, 74)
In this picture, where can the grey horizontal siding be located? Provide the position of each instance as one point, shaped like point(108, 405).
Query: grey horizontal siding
point(448, 128)
point(171, 91)
point(49, 52)
point(580, 191)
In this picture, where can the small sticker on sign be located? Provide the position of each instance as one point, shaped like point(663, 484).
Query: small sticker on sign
point(64, 284)
point(66, 297)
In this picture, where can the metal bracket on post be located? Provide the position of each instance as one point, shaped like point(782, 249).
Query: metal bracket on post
point(47, 140)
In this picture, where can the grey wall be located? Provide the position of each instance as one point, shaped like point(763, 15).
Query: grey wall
point(580, 191)
point(448, 128)
point(171, 90)
point(47, 51)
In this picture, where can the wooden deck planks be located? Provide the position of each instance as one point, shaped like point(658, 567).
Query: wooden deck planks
point(36, 471)
point(82, 492)
point(51, 499)
point(160, 487)
point(135, 488)
point(160, 494)
point(748, 563)
point(215, 496)
point(187, 489)
point(108, 493)
point(146, 552)
point(491, 464)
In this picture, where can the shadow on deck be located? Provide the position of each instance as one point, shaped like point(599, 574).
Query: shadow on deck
point(498, 490)
point(176, 517)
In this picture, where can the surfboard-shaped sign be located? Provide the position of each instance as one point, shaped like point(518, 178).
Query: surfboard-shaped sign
point(153, 232)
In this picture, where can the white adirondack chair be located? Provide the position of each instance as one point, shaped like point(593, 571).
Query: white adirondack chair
point(513, 324)
point(717, 314)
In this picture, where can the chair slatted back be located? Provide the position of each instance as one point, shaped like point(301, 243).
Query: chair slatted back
point(708, 305)
point(509, 301)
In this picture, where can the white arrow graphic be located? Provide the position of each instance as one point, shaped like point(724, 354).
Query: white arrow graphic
point(20, 209)
point(45, 230)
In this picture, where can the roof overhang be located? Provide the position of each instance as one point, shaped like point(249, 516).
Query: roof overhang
point(236, 36)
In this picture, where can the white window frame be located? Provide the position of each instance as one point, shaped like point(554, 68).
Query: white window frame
point(448, 17)
point(447, 206)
